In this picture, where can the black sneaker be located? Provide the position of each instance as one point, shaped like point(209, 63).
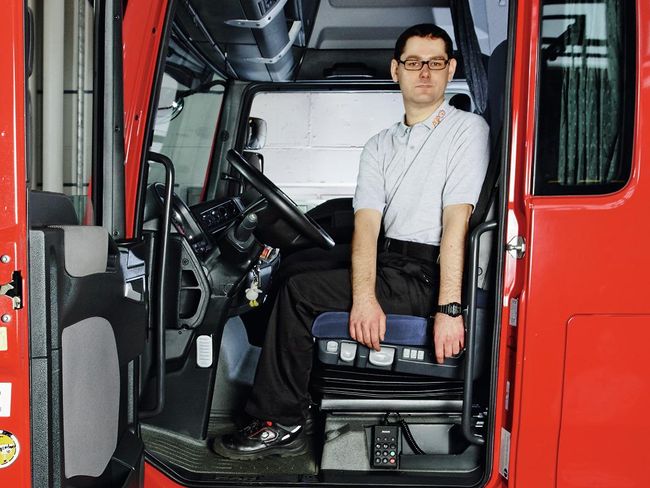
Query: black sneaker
point(261, 439)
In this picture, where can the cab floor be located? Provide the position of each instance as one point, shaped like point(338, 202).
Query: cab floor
point(195, 456)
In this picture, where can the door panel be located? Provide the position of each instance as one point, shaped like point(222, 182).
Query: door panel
point(594, 409)
point(86, 332)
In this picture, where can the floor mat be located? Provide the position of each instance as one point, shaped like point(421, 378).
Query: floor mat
point(196, 456)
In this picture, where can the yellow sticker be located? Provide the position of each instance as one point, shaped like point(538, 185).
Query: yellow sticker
point(3, 339)
point(9, 448)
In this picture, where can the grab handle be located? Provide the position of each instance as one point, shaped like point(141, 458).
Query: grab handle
point(153, 157)
point(474, 247)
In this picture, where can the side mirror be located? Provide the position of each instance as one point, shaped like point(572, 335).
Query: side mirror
point(256, 135)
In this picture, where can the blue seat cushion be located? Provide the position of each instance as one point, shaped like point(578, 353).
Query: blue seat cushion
point(403, 330)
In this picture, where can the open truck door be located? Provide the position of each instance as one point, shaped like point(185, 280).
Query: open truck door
point(77, 313)
point(89, 299)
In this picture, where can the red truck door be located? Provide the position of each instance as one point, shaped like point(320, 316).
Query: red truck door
point(73, 319)
point(89, 292)
point(576, 292)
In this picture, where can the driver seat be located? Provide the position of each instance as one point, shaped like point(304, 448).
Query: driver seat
point(407, 345)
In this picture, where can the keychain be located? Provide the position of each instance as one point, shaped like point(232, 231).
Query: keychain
point(254, 291)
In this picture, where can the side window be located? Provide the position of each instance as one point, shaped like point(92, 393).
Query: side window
point(586, 89)
point(314, 139)
point(184, 129)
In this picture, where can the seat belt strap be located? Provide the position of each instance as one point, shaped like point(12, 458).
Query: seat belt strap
point(467, 43)
point(489, 184)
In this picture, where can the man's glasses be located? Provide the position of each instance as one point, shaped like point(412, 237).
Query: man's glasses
point(416, 64)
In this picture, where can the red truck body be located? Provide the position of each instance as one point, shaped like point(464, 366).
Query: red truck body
point(571, 380)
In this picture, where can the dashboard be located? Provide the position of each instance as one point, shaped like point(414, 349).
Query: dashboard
point(214, 217)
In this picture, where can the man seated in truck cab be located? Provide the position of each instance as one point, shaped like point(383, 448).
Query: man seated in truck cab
point(421, 178)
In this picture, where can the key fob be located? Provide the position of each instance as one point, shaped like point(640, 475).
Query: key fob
point(385, 447)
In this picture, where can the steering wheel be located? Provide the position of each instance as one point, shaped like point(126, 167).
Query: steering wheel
point(278, 199)
point(181, 217)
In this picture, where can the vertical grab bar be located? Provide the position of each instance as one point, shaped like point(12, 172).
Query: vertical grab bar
point(153, 157)
point(472, 284)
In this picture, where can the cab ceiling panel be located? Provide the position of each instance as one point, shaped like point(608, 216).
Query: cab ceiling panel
point(355, 38)
point(373, 24)
point(376, 24)
point(248, 39)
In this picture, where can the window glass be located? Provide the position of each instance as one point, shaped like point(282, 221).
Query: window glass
point(314, 139)
point(585, 105)
point(184, 129)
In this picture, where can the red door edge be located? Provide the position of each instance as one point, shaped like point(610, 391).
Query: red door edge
point(15, 433)
point(142, 35)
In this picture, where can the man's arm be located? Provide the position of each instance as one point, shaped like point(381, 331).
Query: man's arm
point(449, 332)
point(367, 319)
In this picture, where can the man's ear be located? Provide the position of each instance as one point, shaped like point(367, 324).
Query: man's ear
point(452, 69)
point(393, 70)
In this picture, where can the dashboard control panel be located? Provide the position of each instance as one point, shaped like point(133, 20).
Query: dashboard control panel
point(216, 216)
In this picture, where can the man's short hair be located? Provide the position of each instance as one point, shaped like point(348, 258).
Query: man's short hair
point(423, 30)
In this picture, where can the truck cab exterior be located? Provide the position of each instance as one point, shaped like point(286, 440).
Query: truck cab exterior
point(564, 390)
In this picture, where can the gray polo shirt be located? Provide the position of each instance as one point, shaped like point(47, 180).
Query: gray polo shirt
point(411, 173)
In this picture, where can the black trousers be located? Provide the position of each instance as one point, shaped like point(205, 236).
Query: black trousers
point(404, 285)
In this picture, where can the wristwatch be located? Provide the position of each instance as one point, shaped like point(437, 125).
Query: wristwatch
point(453, 309)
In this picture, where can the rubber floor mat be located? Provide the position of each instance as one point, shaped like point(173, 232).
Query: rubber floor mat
point(196, 456)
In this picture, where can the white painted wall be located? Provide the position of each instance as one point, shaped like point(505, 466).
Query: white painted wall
point(314, 140)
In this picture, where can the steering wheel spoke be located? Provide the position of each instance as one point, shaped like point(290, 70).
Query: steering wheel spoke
point(257, 206)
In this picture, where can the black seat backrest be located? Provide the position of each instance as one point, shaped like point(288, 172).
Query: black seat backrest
point(494, 116)
point(496, 90)
point(461, 101)
point(48, 208)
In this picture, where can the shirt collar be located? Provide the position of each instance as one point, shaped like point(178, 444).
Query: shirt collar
point(431, 121)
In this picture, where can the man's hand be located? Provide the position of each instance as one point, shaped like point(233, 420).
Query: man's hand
point(367, 319)
point(448, 336)
point(367, 323)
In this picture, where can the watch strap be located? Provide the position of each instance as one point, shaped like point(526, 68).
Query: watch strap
point(453, 309)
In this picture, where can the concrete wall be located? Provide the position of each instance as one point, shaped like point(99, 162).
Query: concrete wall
point(314, 140)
